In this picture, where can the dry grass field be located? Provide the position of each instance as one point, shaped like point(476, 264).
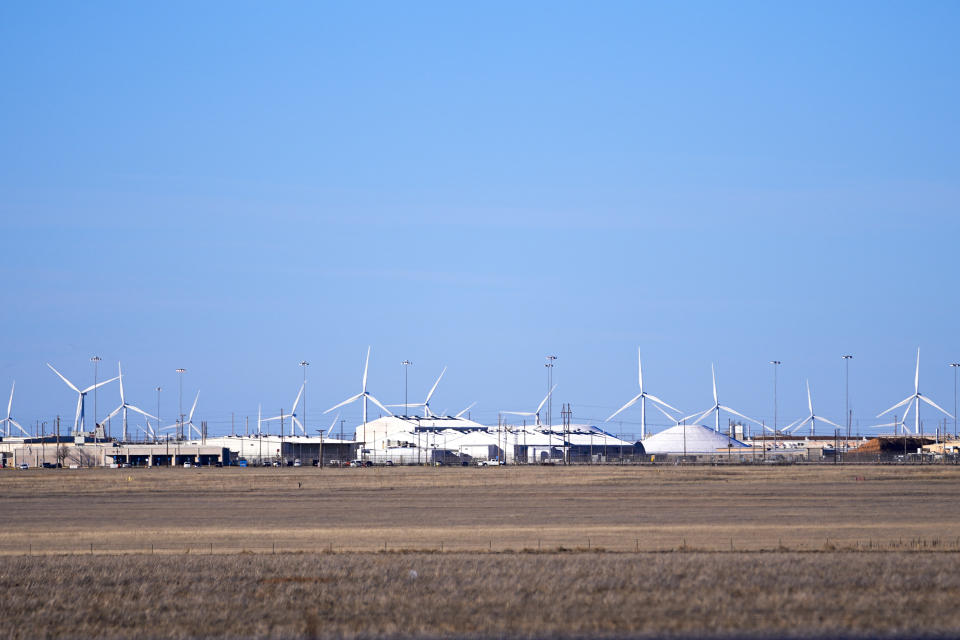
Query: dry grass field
point(469, 509)
point(482, 595)
point(523, 552)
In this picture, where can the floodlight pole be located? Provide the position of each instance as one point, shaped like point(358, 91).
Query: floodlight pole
point(180, 419)
point(406, 402)
point(550, 360)
point(304, 364)
point(775, 363)
point(95, 360)
point(955, 365)
point(846, 406)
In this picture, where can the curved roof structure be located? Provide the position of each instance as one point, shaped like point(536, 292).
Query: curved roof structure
point(692, 439)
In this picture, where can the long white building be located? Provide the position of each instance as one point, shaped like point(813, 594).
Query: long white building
point(451, 440)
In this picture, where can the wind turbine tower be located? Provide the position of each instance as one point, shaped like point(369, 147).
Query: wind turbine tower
point(913, 401)
point(642, 397)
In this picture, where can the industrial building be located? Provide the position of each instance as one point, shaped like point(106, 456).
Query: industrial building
point(452, 440)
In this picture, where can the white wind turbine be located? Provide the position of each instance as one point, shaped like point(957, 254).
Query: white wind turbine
point(642, 397)
point(533, 414)
point(717, 408)
point(913, 401)
point(426, 403)
point(293, 414)
point(78, 422)
point(10, 421)
point(365, 395)
point(332, 425)
point(470, 406)
point(189, 422)
point(124, 405)
point(812, 418)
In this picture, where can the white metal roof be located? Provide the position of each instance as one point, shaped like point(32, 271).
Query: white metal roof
point(690, 439)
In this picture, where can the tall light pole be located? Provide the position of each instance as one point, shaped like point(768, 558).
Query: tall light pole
point(95, 360)
point(304, 364)
point(846, 405)
point(406, 406)
point(775, 363)
point(180, 414)
point(955, 366)
point(549, 366)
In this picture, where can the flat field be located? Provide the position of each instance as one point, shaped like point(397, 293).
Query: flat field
point(482, 595)
point(469, 509)
point(523, 552)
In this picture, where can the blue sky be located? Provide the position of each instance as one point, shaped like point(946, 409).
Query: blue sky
point(234, 187)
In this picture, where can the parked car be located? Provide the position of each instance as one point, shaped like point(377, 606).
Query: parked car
point(187, 464)
point(23, 465)
point(489, 463)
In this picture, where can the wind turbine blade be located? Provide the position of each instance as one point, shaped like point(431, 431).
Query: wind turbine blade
point(545, 398)
point(193, 408)
point(669, 417)
point(434, 387)
point(17, 425)
point(297, 401)
point(659, 401)
point(737, 413)
point(809, 399)
point(345, 402)
point(141, 411)
point(69, 384)
point(519, 413)
point(120, 375)
point(713, 372)
point(697, 415)
point(332, 425)
point(100, 384)
point(789, 426)
point(460, 415)
point(805, 421)
point(896, 406)
point(10, 402)
point(377, 402)
point(822, 419)
point(624, 407)
point(916, 376)
point(903, 418)
point(934, 404)
point(365, 367)
point(76, 419)
point(111, 414)
point(639, 370)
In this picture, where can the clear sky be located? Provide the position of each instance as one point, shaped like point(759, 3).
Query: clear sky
point(235, 187)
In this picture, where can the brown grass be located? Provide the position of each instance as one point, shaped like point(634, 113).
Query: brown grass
point(483, 595)
point(613, 508)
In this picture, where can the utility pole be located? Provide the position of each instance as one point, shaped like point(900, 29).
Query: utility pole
point(846, 407)
point(95, 360)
